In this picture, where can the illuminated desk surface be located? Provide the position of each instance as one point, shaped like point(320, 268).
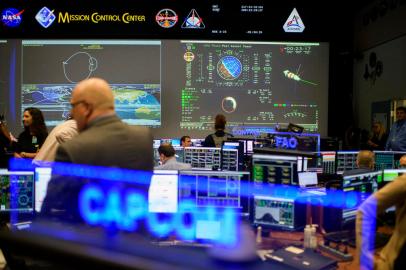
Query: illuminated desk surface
point(278, 239)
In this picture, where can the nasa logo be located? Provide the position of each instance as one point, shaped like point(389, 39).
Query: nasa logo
point(11, 17)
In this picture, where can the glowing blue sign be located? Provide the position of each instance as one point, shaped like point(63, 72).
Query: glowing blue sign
point(284, 142)
point(124, 209)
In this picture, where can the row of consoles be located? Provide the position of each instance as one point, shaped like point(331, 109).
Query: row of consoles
point(273, 195)
point(236, 155)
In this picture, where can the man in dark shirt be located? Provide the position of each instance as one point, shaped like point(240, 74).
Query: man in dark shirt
point(397, 136)
point(217, 138)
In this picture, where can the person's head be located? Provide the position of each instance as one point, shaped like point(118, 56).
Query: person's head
point(166, 151)
point(91, 98)
point(185, 141)
point(402, 162)
point(378, 129)
point(365, 159)
point(220, 122)
point(33, 121)
point(401, 113)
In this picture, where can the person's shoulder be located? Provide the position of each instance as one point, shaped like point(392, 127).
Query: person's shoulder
point(138, 128)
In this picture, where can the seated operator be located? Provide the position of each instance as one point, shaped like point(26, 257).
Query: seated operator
point(168, 159)
point(365, 163)
point(185, 141)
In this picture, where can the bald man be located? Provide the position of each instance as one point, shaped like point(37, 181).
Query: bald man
point(103, 140)
point(365, 163)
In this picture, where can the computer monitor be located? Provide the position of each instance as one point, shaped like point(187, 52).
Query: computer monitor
point(384, 160)
point(232, 156)
point(346, 160)
point(248, 144)
point(203, 157)
point(324, 162)
point(156, 143)
point(221, 189)
point(16, 193)
point(278, 213)
point(328, 161)
point(389, 175)
point(360, 186)
point(197, 142)
point(276, 169)
point(163, 192)
point(175, 142)
point(42, 177)
point(307, 179)
point(166, 140)
point(179, 153)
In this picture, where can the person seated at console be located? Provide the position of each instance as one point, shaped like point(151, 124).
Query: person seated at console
point(168, 159)
point(185, 141)
point(217, 138)
point(34, 134)
point(365, 163)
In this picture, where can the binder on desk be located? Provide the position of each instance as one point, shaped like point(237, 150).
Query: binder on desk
point(303, 259)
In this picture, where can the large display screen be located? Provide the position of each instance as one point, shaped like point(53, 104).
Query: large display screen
point(254, 84)
point(51, 69)
point(174, 86)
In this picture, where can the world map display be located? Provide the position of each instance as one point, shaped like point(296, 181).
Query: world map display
point(135, 104)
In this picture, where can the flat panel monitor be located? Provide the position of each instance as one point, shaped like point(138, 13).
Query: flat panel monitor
point(324, 162)
point(42, 177)
point(391, 174)
point(276, 169)
point(179, 153)
point(346, 160)
point(221, 189)
point(156, 143)
point(328, 161)
point(358, 187)
point(203, 157)
point(232, 156)
point(277, 213)
point(248, 144)
point(16, 192)
point(307, 179)
point(197, 142)
point(384, 160)
point(163, 192)
point(175, 142)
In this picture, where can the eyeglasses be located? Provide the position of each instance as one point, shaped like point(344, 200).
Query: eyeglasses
point(77, 103)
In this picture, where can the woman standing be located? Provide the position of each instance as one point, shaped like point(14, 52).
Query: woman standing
point(33, 136)
point(378, 139)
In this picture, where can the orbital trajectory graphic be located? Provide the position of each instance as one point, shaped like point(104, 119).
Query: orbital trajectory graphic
point(290, 75)
point(91, 62)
